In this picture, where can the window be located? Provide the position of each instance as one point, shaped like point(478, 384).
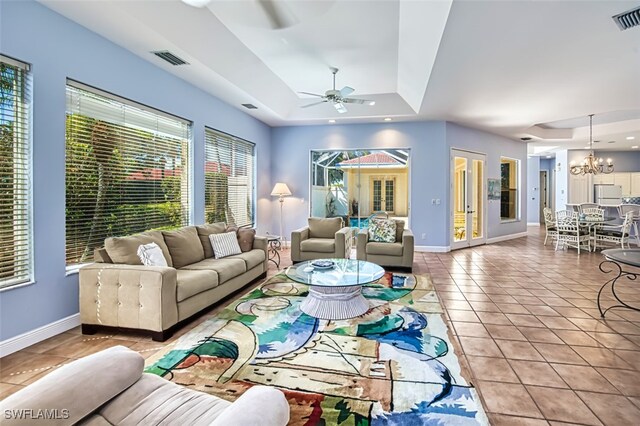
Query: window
point(229, 179)
point(15, 171)
point(509, 189)
point(127, 170)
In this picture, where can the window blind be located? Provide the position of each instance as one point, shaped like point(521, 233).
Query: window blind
point(15, 172)
point(127, 170)
point(229, 179)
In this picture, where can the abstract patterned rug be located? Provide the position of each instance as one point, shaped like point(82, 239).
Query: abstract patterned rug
point(392, 366)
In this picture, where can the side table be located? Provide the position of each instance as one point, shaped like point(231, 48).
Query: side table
point(615, 260)
point(275, 245)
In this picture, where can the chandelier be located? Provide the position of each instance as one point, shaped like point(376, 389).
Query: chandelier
point(591, 163)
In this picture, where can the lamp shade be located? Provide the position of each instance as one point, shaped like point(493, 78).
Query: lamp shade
point(280, 190)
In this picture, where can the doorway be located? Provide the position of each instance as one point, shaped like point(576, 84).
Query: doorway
point(383, 194)
point(467, 199)
point(544, 194)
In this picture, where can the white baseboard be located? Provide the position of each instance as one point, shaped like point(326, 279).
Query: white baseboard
point(32, 337)
point(533, 224)
point(506, 237)
point(433, 249)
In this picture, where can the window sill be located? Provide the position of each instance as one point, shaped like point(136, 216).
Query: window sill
point(510, 221)
point(15, 286)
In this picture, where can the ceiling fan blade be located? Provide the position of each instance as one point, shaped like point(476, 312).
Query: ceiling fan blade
point(278, 14)
point(340, 108)
point(355, 101)
point(315, 103)
point(346, 91)
point(312, 94)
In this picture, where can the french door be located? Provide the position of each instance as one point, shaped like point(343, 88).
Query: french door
point(467, 199)
point(383, 194)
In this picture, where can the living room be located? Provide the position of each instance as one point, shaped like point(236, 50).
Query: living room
point(431, 94)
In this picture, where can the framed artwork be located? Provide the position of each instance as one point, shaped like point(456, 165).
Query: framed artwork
point(493, 189)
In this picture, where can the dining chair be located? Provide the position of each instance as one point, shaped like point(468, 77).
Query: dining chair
point(570, 233)
point(615, 234)
point(623, 209)
point(593, 212)
point(584, 206)
point(549, 224)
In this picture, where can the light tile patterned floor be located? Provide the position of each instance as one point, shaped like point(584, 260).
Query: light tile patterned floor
point(524, 323)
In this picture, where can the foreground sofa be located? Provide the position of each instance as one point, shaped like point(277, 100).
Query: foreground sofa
point(397, 255)
point(323, 238)
point(110, 388)
point(117, 291)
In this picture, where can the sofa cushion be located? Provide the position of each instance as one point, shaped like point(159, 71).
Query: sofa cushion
point(184, 246)
point(386, 249)
point(100, 255)
point(251, 258)
point(382, 230)
point(319, 245)
point(225, 244)
point(79, 387)
point(124, 250)
point(226, 268)
point(192, 282)
point(153, 400)
point(399, 230)
point(324, 227)
point(245, 238)
point(203, 234)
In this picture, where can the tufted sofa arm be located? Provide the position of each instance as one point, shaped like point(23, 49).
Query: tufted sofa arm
point(128, 296)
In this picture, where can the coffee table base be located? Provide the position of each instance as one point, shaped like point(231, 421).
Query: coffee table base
point(335, 303)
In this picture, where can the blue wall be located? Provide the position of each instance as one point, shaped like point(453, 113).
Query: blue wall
point(57, 48)
point(494, 147)
point(430, 144)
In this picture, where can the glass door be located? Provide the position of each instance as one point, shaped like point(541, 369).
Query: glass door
point(383, 195)
point(467, 199)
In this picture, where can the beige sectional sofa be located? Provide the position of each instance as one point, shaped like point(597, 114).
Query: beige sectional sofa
point(110, 388)
point(118, 291)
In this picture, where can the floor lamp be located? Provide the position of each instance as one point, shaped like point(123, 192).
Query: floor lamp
point(281, 190)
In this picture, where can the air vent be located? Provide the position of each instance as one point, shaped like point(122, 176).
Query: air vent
point(249, 106)
point(628, 19)
point(170, 57)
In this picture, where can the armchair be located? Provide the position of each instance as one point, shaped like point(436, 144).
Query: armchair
point(322, 238)
point(398, 254)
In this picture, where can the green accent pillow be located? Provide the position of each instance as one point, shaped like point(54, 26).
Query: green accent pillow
point(382, 230)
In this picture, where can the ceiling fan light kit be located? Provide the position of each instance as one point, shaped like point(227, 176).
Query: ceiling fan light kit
point(592, 164)
point(337, 97)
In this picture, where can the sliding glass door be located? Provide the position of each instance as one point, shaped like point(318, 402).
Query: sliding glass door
point(358, 184)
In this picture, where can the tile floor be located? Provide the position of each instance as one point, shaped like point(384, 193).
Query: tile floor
point(524, 323)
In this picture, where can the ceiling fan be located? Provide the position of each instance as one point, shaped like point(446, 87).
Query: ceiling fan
point(337, 97)
point(278, 13)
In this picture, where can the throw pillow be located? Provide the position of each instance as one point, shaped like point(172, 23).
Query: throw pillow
point(245, 238)
point(151, 255)
point(203, 233)
point(383, 231)
point(225, 244)
point(184, 246)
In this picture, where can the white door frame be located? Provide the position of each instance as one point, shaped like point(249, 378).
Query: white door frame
point(469, 241)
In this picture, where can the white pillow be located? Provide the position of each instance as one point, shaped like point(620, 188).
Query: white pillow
point(225, 244)
point(151, 255)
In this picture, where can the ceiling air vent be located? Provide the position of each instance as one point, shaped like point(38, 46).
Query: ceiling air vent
point(249, 106)
point(170, 57)
point(628, 19)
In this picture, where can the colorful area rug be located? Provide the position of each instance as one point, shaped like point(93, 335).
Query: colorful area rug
point(392, 366)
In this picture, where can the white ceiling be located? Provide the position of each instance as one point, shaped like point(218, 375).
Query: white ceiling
point(519, 68)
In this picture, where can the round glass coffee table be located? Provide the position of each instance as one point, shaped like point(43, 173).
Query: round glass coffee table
point(335, 293)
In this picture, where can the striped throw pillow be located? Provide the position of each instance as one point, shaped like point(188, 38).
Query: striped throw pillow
point(225, 244)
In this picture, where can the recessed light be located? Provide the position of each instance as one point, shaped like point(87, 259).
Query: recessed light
point(634, 147)
point(372, 103)
point(587, 147)
point(332, 121)
point(387, 119)
point(630, 138)
point(548, 156)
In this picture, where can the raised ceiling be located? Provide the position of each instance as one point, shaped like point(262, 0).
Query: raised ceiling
point(519, 68)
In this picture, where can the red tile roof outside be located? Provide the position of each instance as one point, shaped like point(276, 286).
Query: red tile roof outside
point(378, 158)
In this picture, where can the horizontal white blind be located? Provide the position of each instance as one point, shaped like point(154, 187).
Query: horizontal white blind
point(127, 171)
point(15, 174)
point(229, 179)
